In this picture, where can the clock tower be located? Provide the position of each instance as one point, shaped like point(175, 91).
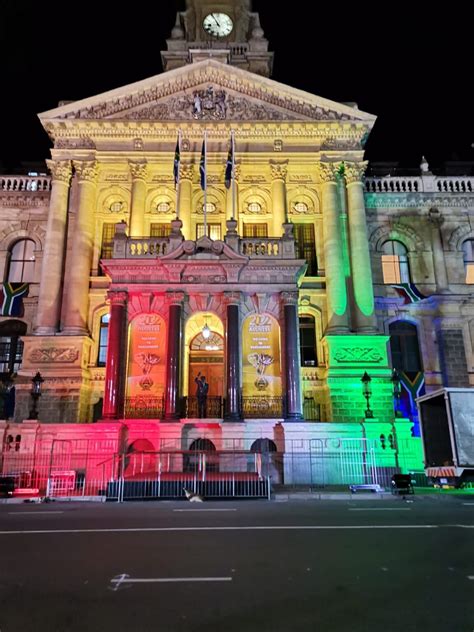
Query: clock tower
point(225, 30)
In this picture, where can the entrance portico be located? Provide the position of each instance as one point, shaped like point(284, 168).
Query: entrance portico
point(247, 303)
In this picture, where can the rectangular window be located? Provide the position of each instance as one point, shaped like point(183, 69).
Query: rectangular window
point(160, 230)
point(107, 245)
point(213, 231)
point(308, 341)
point(306, 246)
point(255, 230)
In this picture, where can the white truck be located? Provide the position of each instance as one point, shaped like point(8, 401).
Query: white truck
point(447, 432)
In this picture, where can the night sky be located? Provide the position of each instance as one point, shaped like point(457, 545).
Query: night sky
point(412, 68)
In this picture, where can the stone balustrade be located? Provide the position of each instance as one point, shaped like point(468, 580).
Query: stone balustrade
point(261, 247)
point(236, 49)
point(146, 248)
point(25, 183)
point(420, 184)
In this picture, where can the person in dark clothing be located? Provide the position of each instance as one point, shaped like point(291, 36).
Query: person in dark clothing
point(202, 388)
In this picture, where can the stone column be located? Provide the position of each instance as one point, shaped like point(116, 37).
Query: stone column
point(336, 292)
point(186, 199)
point(115, 365)
point(172, 408)
point(49, 300)
point(364, 315)
point(137, 210)
point(292, 356)
point(439, 262)
point(75, 320)
point(278, 197)
point(233, 412)
point(231, 211)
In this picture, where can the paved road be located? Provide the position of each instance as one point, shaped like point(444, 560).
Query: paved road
point(263, 566)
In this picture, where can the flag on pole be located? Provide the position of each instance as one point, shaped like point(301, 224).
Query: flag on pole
point(177, 160)
point(409, 292)
point(202, 165)
point(229, 167)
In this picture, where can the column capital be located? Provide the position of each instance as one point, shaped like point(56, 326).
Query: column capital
point(61, 170)
point(115, 297)
point(289, 298)
point(175, 298)
point(279, 170)
point(186, 171)
point(86, 170)
point(232, 298)
point(354, 171)
point(435, 218)
point(329, 171)
point(139, 170)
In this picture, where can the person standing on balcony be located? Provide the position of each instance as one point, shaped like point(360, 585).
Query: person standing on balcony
point(202, 388)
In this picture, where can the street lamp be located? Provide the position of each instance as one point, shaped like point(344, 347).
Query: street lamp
point(6, 385)
point(206, 332)
point(397, 393)
point(367, 391)
point(37, 380)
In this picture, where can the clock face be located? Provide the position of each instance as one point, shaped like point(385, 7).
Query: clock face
point(218, 24)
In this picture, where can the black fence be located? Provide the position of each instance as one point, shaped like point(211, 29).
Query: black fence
point(262, 407)
point(141, 407)
point(213, 408)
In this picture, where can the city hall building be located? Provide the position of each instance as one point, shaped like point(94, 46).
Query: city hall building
point(211, 221)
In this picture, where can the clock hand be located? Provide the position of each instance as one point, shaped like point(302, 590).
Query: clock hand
point(215, 19)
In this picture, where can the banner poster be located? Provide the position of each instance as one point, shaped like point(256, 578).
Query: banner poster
point(146, 357)
point(261, 373)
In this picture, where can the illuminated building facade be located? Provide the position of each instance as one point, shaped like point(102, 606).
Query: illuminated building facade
point(278, 288)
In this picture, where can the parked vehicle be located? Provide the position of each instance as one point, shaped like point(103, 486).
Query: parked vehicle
point(447, 431)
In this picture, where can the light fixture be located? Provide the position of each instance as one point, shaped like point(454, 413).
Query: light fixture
point(206, 332)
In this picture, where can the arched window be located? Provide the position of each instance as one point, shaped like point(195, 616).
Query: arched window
point(468, 256)
point(308, 341)
point(21, 267)
point(103, 339)
point(395, 263)
point(404, 347)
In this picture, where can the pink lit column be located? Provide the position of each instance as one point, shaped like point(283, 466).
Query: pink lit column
point(113, 393)
point(172, 410)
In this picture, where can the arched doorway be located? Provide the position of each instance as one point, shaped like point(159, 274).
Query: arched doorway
point(271, 462)
point(203, 459)
point(204, 357)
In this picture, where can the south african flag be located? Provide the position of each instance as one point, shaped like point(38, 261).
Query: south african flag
point(11, 298)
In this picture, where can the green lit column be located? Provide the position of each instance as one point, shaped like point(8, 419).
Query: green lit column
point(278, 197)
point(363, 314)
point(185, 199)
point(75, 320)
point(338, 320)
point(137, 211)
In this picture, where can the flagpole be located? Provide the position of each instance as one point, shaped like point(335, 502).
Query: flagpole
point(178, 175)
point(205, 182)
point(232, 134)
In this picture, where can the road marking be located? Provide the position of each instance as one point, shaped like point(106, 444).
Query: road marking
point(33, 513)
point(230, 528)
point(194, 510)
point(380, 509)
point(123, 580)
point(468, 504)
point(470, 577)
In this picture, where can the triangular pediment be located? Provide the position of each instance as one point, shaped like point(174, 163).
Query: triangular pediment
point(207, 90)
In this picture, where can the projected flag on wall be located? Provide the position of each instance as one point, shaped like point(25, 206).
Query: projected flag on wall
point(11, 298)
point(409, 292)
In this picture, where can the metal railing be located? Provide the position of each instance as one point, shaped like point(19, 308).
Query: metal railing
point(262, 407)
point(213, 408)
point(141, 407)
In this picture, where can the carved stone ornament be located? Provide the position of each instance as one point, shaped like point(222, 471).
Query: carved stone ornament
point(138, 170)
point(289, 298)
point(354, 171)
point(186, 172)
point(86, 171)
point(75, 143)
point(60, 170)
point(117, 298)
point(358, 354)
point(278, 171)
point(329, 171)
point(435, 218)
point(52, 354)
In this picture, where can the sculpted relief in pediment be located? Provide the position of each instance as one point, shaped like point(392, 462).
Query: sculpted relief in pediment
point(213, 102)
